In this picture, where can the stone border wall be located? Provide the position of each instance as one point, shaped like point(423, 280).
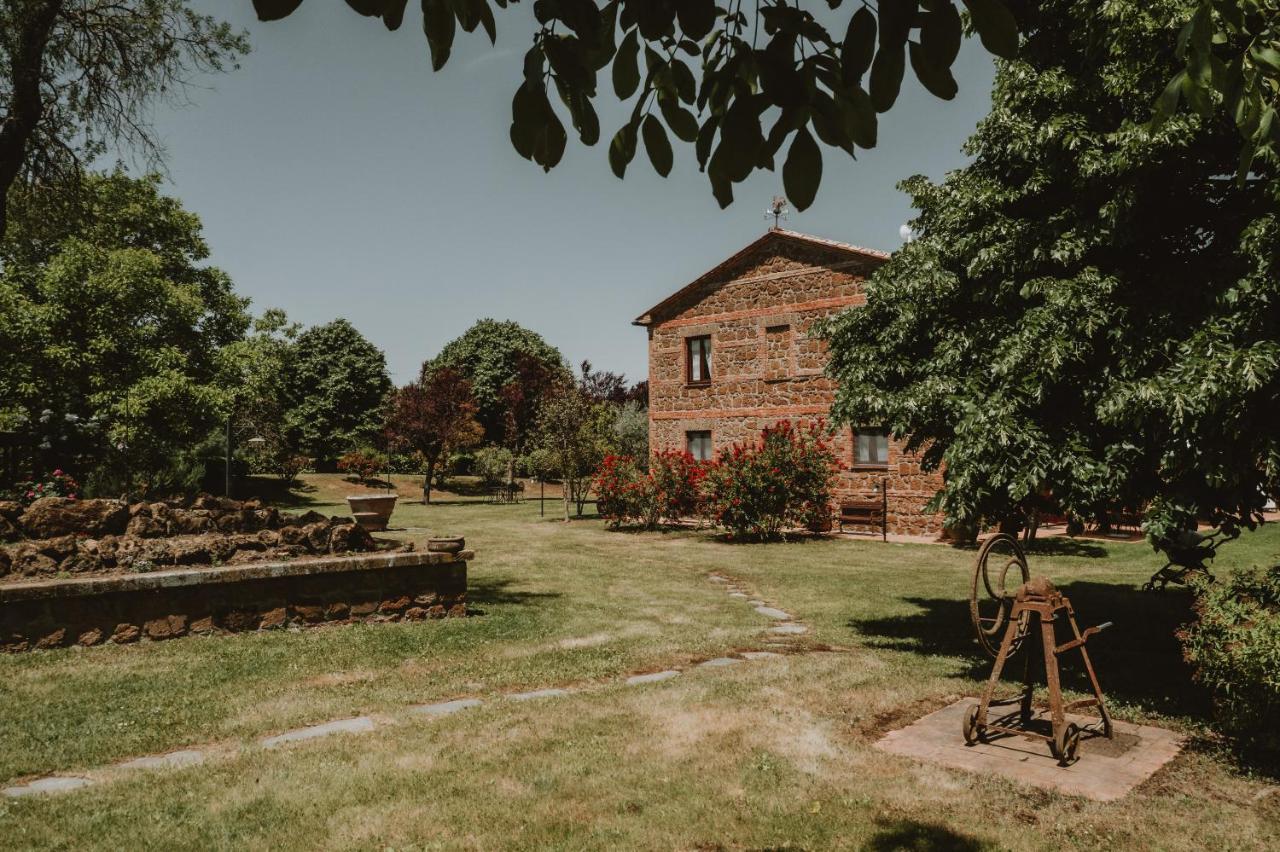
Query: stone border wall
point(234, 598)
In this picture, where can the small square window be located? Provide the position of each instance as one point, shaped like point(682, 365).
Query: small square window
point(697, 361)
point(871, 448)
point(698, 444)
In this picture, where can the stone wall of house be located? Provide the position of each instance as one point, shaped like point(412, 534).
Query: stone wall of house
point(259, 596)
point(759, 310)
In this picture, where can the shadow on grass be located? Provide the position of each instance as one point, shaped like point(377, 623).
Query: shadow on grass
point(1063, 546)
point(1138, 659)
point(276, 492)
point(905, 834)
point(481, 591)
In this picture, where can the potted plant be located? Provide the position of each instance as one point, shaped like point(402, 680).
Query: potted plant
point(371, 511)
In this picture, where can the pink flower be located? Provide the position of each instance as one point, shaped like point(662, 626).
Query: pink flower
point(57, 473)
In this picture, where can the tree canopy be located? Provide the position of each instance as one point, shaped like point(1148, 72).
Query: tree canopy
point(806, 74)
point(79, 76)
point(336, 388)
point(508, 367)
point(111, 327)
point(1090, 313)
point(433, 417)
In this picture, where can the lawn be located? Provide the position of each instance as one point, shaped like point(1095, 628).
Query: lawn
point(771, 754)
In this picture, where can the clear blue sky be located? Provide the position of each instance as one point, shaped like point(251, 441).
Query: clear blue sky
point(336, 175)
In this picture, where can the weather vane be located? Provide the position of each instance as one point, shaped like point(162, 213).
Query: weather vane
point(777, 209)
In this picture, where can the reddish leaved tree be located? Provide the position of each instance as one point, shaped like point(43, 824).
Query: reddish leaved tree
point(434, 416)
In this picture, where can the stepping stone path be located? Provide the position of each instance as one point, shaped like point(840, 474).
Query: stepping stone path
point(444, 708)
point(52, 784)
point(537, 693)
point(364, 724)
point(358, 725)
point(787, 627)
point(655, 677)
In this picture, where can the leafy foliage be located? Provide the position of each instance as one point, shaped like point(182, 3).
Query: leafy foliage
point(510, 369)
point(782, 482)
point(677, 484)
point(56, 484)
point(493, 465)
point(364, 465)
point(575, 432)
point(81, 75)
point(625, 493)
point(1090, 315)
point(335, 390)
point(1234, 647)
point(433, 417)
point(111, 328)
point(1231, 50)
point(803, 73)
point(254, 371)
point(631, 431)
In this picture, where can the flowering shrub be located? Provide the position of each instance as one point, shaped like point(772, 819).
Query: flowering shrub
point(364, 465)
point(783, 481)
point(677, 484)
point(57, 484)
point(625, 494)
point(670, 490)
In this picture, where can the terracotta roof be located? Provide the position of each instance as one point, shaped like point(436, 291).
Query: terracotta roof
point(647, 317)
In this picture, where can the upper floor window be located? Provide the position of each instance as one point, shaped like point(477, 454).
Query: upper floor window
point(699, 444)
point(871, 448)
point(697, 352)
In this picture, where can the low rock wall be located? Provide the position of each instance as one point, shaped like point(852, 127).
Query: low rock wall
point(233, 598)
point(56, 536)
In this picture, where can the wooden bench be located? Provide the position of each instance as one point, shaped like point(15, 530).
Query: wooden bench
point(869, 513)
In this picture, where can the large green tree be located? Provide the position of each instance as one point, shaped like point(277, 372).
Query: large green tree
point(111, 326)
point(255, 371)
point(510, 369)
point(1090, 312)
point(335, 390)
point(735, 80)
point(80, 76)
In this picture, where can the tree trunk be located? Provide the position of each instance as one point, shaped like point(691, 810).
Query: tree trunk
point(25, 107)
point(565, 490)
point(426, 482)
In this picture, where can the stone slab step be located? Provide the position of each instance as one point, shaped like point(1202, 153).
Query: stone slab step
point(444, 708)
point(653, 677)
point(358, 725)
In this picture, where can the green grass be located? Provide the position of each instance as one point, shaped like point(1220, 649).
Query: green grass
point(751, 756)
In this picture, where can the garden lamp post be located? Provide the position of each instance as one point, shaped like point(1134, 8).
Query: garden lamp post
point(227, 465)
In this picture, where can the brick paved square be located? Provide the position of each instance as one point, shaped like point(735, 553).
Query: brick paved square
point(1107, 769)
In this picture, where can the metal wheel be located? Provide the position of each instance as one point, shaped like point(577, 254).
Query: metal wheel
point(971, 732)
point(1001, 567)
point(1066, 744)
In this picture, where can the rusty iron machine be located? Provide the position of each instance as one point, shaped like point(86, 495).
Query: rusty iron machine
point(1004, 622)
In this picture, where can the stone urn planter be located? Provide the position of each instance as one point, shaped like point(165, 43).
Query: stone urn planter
point(372, 511)
point(446, 544)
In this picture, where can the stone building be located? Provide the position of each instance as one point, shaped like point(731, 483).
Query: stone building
point(730, 354)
